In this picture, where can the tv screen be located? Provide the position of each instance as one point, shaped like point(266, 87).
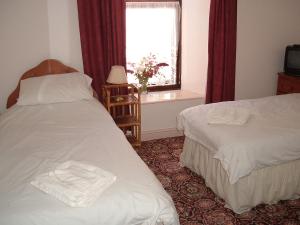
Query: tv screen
point(292, 60)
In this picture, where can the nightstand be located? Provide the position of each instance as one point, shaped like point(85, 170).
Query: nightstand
point(125, 109)
point(288, 84)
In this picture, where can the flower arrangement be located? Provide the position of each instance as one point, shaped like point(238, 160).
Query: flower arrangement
point(145, 69)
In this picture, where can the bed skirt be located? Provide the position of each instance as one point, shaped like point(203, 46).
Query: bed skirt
point(267, 185)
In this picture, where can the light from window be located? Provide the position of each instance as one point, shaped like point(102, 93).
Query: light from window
point(153, 28)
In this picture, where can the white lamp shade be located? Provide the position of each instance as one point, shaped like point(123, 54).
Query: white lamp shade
point(117, 75)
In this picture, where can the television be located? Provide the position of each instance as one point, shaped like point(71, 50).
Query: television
point(292, 60)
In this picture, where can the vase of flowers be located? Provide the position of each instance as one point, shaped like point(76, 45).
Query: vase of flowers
point(145, 69)
point(143, 81)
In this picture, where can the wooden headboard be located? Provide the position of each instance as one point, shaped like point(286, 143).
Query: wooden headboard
point(49, 66)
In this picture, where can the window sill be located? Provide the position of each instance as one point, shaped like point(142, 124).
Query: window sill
point(169, 96)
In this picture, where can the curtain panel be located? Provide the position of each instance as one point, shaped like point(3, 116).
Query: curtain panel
point(221, 51)
point(102, 25)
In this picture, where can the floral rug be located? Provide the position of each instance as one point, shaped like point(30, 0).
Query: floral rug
point(196, 203)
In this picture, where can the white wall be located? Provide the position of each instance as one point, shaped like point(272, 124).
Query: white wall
point(159, 120)
point(34, 30)
point(195, 20)
point(64, 37)
point(24, 41)
point(265, 28)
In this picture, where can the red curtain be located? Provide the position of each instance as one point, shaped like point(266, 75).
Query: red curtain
point(102, 26)
point(221, 51)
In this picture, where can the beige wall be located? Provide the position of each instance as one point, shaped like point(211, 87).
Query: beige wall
point(159, 120)
point(265, 27)
point(195, 18)
point(64, 37)
point(34, 30)
point(24, 41)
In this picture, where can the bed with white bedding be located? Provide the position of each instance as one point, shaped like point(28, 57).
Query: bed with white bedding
point(34, 139)
point(250, 154)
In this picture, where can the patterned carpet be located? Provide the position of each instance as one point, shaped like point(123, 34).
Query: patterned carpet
point(196, 203)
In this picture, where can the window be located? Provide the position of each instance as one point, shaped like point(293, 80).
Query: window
point(153, 28)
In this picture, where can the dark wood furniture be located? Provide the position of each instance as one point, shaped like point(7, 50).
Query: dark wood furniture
point(125, 109)
point(288, 84)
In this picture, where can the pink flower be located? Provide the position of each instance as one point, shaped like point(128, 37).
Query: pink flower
point(146, 68)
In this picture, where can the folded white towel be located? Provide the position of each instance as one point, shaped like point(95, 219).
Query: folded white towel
point(75, 183)
point(229, 116)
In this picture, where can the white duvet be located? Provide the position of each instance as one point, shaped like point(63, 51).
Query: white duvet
point(270, 136)
point(35, 139)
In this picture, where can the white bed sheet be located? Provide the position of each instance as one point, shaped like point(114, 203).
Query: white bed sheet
point(271, 136)
point(35, 139)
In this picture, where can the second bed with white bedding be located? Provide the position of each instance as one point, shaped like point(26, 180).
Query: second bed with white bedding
point(271, 135)
point(248, 158)
point(36, 139)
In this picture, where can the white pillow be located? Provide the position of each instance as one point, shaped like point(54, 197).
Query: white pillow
point(47, 89)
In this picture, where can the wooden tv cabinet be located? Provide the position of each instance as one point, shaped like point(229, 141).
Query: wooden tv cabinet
point(288, 84)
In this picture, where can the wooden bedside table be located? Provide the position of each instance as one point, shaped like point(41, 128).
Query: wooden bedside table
point(288, 84)
point(125, 109)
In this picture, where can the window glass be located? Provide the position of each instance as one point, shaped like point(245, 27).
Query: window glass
point(152, 33)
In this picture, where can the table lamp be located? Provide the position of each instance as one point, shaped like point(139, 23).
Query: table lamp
point(117, 75)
